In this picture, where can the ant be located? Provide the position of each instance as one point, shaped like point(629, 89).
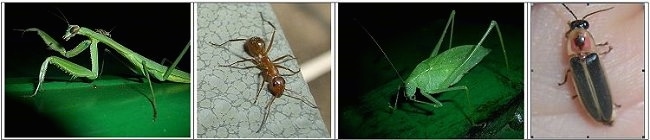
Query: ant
point(257, 49)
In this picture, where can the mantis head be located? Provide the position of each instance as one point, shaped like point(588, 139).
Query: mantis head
point(71, 32)
point(277, 86)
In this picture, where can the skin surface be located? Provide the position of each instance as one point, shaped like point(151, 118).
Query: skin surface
point(553, 111)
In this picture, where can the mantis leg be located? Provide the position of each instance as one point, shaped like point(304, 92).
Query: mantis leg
point(178, 59)
point(153, 96)
point(69, 67)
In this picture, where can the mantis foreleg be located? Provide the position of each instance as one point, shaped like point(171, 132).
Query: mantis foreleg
point(71, 68)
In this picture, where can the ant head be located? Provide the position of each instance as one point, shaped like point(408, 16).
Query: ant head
point(256, 41)
point(71, 32)
point(277, 86)
point(254, 46)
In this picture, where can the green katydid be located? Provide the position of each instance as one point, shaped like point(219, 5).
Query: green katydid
point(440, 72)
point(142, 65)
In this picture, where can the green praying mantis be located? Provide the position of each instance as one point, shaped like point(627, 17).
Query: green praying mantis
point(143, 66)
point(441, 71)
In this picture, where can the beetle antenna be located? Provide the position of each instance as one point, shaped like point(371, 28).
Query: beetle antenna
point(597, 12)
point(567, 8)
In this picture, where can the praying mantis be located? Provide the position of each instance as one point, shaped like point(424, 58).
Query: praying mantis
point(141, 65)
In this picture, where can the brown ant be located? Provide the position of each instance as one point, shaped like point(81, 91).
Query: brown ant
point(257, 49)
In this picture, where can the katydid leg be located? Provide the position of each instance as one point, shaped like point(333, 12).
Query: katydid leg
point(442, 37)
point(494, 24)
point(437, 103)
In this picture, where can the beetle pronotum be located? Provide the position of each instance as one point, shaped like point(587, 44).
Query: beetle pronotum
point(589, 78)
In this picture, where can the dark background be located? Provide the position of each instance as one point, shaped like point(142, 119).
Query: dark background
point(155, 31)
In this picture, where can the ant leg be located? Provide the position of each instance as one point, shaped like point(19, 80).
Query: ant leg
point(272, 35)
point(231, 65)
point(232, 40)
point(312, 105)
point(266, 114)
point(260, 88)
point(283, 57)
point(292, 72)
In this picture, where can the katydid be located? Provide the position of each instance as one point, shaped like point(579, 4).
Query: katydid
point(440, 72)
point(143, 66)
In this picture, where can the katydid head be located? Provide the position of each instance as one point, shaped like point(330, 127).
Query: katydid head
point(71, 32)
point(277, 86)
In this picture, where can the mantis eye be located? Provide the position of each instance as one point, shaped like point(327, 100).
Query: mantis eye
point(74, 29)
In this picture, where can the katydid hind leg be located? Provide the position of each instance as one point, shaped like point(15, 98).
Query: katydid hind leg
point(450, 21)
point(495, 25)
